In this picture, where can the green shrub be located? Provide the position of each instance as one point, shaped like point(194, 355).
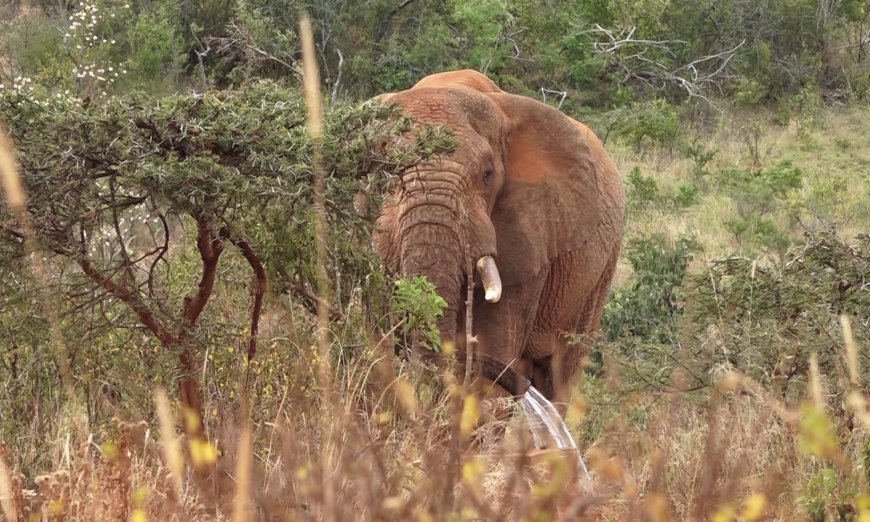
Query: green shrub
point(416, 298)
point(647, 308)
point(737, 314)
point(686, 196)
point(157, 51)
point(700, 155)
point(749, 92)
point(655, 123)
point(134, 197)
point(769, 320)
point(642, 191)
point(757, 196)
point(826, 493)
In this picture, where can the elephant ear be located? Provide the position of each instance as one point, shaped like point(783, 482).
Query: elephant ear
point(560, 188)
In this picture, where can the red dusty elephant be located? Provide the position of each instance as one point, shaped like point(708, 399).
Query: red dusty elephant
point(541, 204)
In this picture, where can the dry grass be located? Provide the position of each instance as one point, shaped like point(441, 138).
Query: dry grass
point(391, 461)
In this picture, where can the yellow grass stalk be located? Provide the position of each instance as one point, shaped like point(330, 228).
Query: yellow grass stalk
point(171, 446)
point(6, 504)
point(12, 187)
point(314, 102)
point(854, 399)
point(816, 383)
point(243, 476)
point(851, 351)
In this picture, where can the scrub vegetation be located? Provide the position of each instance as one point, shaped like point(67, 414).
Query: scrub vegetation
point(169, 250)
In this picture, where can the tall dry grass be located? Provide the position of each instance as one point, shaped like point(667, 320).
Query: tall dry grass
point(736, 457)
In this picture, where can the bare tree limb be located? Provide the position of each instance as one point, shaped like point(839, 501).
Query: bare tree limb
point(562, 95)
point(210, 246)
point(116, 225)
point(626, 37)
point(639, 66)
point(210, 249)
point(129, 297)
point(163, 249)
point(311, 301)
point(387, 23)
point(338, 77)
point(241, 39)
point(261, 285)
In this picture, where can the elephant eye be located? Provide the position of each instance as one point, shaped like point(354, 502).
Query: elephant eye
point(487, 174)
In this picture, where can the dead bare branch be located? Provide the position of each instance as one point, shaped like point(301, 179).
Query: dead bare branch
point(562, 95)
point(694, 77)
point(338, 76)
point(240, 40)
point(163, 249)
point(625, 37)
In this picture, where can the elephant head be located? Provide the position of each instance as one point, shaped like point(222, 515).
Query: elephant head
point(523, 185)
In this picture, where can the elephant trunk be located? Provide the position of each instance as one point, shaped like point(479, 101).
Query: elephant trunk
point(435, 221)
point(430, 246)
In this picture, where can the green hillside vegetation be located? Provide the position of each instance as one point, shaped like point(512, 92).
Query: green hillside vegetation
point(170, 240)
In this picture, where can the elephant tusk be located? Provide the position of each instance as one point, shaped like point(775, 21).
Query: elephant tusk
point(490, 278)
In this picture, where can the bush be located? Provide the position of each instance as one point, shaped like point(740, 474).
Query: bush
point(686, 196)
point(157, 52)
point(654, 123)
point(422, 306)
point(757, 196)
point(648, 307)
point(147, 208)
point(642, 191)
point(768, 321)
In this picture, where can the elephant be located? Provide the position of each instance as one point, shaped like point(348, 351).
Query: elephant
point(534, 199)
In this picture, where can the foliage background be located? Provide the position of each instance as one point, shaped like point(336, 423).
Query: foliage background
point(738, 126)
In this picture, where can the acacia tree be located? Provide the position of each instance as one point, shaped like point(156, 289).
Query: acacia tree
point(113, 185)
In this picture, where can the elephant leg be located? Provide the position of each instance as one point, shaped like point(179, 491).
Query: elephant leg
point(575, 348)
point(571, 304)
point(548, 373)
